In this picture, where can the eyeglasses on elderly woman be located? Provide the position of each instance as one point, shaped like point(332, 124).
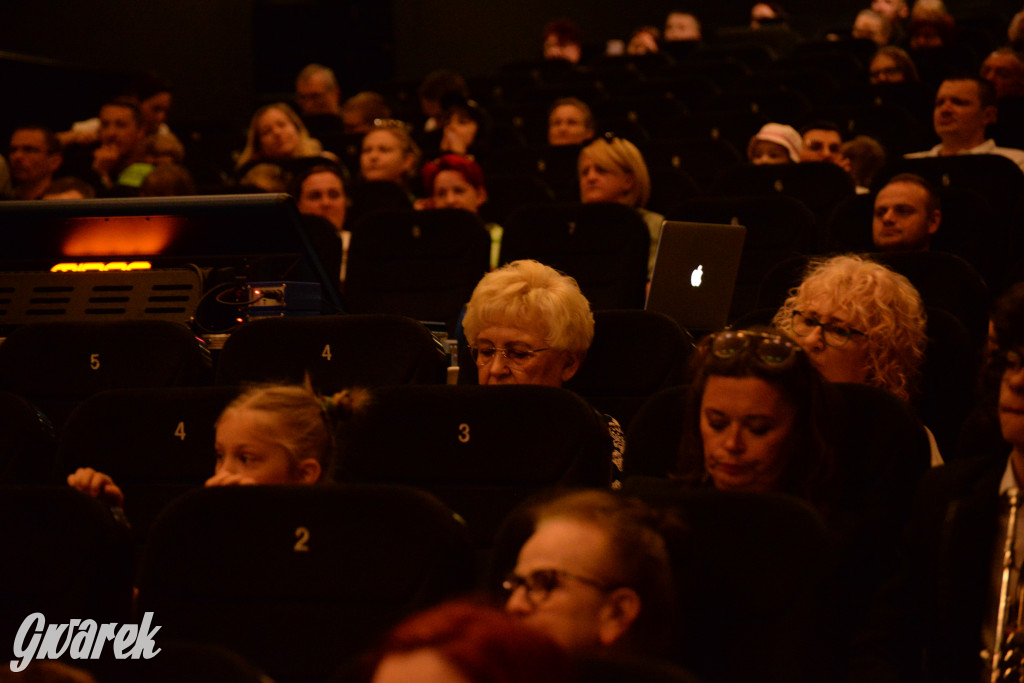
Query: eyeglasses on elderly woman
point(833, 335)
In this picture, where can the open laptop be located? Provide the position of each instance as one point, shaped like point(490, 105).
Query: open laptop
point(695, 272)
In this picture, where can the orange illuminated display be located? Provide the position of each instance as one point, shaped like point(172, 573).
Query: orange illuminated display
point(100, 267)
point(120, 235)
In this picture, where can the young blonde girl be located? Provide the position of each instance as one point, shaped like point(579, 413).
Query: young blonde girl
point(270, 434)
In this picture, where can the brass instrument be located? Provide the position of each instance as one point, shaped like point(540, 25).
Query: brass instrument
point(1000, 649)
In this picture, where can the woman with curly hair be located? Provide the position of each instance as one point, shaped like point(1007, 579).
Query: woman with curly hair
point(859, 322)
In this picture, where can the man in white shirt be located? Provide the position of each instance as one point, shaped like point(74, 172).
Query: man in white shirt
point(963, 108)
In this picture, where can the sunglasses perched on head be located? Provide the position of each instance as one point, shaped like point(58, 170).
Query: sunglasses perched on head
point(771, 350)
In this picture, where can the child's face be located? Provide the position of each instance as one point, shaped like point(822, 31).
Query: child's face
point(248, 453)
point(765, 152)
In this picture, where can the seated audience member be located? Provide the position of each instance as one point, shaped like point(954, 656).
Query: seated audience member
point(264, 177)
point(963, 108)
point(168, 180)
point(117, 160)
point(613, 170)
point(595, 575)
point(278, 136)
point(859, 322)
point(270, 434)
point(69, 188)
point(862, 157)
point(766, 14)
point(872, 26)
point(821, 141)
point(961, 528)
point(1015, 31)
point(681, 26)
point(151, 93)
point(361, 110)
point(931, 25)
point(757, 418)
point(317, 92)
point(466, 128)
point(644, 40)
point(1004, 69)
point(893, 10)
point(892, 65)
point(562, 40)
point(907, 214)
point(34, 155)
point(462, 642)
point(162, 149)
point(570, 122)
point(432, 92)
point(320, 191)
point(775, 143)
point(457, 182)
point(526, 323)
point(389, 154)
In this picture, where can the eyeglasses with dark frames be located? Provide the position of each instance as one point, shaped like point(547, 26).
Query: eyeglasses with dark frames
point(540, 582)
point(834, 335)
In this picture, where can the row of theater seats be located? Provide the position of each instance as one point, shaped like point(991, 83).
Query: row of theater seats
point(299, 580)
point(635, 352)
point(425, 264)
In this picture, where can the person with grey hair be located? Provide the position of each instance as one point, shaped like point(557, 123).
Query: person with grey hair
point(317, 92)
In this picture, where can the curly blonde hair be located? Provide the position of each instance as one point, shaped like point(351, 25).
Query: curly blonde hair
point(623, 154)
point(876, 301)
point(307, 147)
point(528, 294)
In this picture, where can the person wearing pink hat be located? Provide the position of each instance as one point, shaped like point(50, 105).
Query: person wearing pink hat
point(775, 143)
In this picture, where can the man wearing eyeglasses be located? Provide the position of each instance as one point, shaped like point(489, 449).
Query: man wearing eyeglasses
point(594, 576)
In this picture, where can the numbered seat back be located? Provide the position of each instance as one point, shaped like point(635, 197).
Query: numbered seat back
point(482, 450)
point(64, 556)
point(56, 365)
point(155, 443)
point(28, 446)
point(298, 579)
point(337, 351)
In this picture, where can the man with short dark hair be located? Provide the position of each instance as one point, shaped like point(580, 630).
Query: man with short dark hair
point(964, 107)
point(34, 155)
point(907, 214)
point(121, 134)
point(822, 140)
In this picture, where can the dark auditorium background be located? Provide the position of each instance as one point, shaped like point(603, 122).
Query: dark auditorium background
point(225, 55)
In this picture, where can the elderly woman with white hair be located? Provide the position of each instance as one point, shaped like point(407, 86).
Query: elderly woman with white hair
point(527, 323)
point(612, 169)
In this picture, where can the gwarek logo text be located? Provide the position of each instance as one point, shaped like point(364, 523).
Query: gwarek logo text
point(81, 639)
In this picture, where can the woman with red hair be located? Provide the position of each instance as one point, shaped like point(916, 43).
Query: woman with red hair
point(460, 642)
point(457, 182)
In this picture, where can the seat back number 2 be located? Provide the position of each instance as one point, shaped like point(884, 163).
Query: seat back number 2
point(302, 540)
